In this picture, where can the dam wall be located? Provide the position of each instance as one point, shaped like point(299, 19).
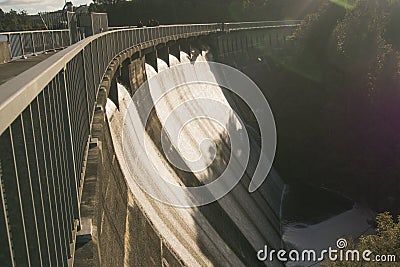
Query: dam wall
point(124, 226)
point(115, 229)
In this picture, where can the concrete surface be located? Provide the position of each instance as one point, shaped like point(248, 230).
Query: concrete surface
point(14, 68)
point(226, 233)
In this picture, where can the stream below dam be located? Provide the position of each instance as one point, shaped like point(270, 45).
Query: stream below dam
point(312, 217)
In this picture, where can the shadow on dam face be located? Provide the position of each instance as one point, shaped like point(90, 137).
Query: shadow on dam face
point(132, 228)
point(229, 231)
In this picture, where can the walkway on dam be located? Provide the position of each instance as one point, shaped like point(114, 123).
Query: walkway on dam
point(14, 68)
point(61, 131)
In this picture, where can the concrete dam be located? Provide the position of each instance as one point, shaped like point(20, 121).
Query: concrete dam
point(228, 232)
point(96, 138)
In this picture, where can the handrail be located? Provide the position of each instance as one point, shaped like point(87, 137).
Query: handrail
point(120, 27)
point(32, 31)
point(282, 22)
point(17, 93)
point(231, 26)
point(46, 113)
point(23, 43)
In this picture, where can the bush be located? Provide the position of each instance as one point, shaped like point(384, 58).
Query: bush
point(385, 242)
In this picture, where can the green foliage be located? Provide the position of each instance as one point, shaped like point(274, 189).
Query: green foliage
point(346, 4)
point(344, 81)
point(313, 38)
point(194, 11)
point(16, 21)
point(386, 241)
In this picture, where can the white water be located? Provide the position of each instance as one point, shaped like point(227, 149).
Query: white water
point(247, 211)
point(348, 225)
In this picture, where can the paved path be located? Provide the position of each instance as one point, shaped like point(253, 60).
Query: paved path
point(14, 68)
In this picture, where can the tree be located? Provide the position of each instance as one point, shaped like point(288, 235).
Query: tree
point(107, 2)
point(16, 21)
point(385, 242)
point(345, 75)
point(122, 13)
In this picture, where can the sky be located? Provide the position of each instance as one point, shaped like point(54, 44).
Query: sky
point(35, 6)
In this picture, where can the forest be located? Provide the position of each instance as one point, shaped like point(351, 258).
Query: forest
point(17, 21)
point(340, 91)
point(337, 110)
point(123, 13)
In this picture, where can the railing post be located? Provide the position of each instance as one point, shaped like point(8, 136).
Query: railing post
point(23, 56)
point(61, 38)
point(5, 208)
point(44, 43)
point(94, 71)
point(112, 44)
point(9, 44)
point(85, 82)
point(52, 40)
point(138, 36)
point(70, 147)
point(33, 45)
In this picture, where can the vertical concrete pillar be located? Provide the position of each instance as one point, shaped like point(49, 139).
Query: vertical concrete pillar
point(270, 40)
point(226, 46)
point(163, 53)
point(246, 40)
point(125, 75)
point(220, 46)
point(230, 44)
point(151, 59)
point(196, 48)
point(174, 49)
point(133, 73)
point(185, 47)
point(137, 72)
point(113, 94)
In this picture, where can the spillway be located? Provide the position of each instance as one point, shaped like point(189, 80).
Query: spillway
point(228, 232)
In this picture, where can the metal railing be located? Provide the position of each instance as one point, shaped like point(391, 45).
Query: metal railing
point(45, 125)
point(92, 23)
point(112, 28)
point(27, 43)
point(232, 26)
point(55, 20)
point(100, 22)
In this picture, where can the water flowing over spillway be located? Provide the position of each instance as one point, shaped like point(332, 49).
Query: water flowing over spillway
point(227, 232)
point(151, 133)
